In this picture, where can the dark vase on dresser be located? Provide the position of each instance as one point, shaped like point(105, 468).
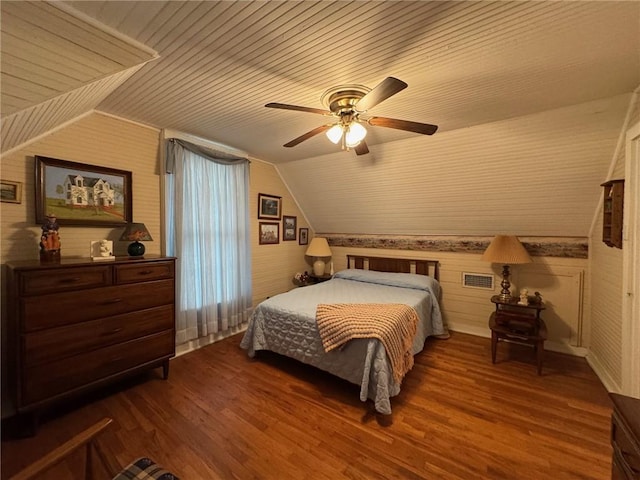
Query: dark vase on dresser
point(76, 325)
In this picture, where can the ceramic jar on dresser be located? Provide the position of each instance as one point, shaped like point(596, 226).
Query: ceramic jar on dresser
point(76, 324)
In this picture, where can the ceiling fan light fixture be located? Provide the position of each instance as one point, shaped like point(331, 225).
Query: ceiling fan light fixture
point(355, 134)
point(335, 133)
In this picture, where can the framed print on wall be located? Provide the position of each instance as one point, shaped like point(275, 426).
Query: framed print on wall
point(269, 206)
point(289, 225)
point(10, 191)
point(303, 238)
point(269, 233)
point(80, 194)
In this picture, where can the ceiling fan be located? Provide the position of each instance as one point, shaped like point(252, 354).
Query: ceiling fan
point(350, 104)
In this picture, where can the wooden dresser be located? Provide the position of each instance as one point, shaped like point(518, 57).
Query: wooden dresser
point(625, 438)
point(78, 324)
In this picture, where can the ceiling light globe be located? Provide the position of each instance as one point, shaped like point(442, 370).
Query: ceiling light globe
point(355, 134)
point(335, 133)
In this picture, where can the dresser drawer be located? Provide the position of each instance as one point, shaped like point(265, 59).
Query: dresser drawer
point(620, 468)
point(45, 346)
point(626, 445)
point(143, 272)
point(67, 308)
point(45, 381)
point(63, 280)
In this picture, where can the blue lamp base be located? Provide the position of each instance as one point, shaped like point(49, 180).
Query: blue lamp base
point(136, 249)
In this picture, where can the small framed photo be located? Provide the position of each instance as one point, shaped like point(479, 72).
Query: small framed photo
point(10, 192)
point(269, 207)
point(289, 226)
point(303, 238)
point(269, 233)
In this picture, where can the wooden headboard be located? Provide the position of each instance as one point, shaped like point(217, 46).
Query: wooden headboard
point(390, 264)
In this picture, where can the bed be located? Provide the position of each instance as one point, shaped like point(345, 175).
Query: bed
point(286, 323)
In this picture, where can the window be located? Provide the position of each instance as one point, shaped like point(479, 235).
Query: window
point(208, 231)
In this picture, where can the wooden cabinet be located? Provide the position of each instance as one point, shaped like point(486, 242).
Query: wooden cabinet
point(612, 213)
point(625, 438)
point(77, 324)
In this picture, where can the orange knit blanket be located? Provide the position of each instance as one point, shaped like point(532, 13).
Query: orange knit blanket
point(394, 324)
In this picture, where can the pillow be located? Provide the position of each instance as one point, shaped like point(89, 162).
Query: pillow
point(404, 280)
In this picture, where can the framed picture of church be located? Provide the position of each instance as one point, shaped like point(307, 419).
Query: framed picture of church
point(80, 194)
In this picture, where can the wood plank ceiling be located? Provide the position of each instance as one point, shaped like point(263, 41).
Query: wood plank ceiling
point(466, 63)
point(532, 91)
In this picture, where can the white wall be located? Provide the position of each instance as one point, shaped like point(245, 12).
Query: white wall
point(99, 140)
point(606, 276)
point(559, 280)
point(537, 175)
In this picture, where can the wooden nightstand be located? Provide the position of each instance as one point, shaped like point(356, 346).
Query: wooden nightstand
point(319, 279)
point(518, 324)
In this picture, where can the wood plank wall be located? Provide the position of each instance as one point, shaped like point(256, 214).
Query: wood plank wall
point(560, 281)
point(606, 267)
point(99, 140)
point(94, 140)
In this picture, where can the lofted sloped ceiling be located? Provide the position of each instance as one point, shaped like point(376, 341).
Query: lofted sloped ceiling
point(57, 64)
point(466, 63)
point(530, 75)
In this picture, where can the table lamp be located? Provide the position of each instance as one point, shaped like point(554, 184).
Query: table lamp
point(506, 249)
point(136, 232)
point(318, 248)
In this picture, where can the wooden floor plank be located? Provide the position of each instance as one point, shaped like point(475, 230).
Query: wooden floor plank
point(221, 415)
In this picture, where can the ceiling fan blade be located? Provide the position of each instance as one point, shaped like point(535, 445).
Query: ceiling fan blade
point(416, 127)
point(308, 135)
point(361, 148)
point(284, 106)
point(388, 87)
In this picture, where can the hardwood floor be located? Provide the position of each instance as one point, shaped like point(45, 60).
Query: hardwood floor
point(221, 415)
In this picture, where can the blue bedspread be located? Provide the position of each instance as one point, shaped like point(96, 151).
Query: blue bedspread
point(286, 324)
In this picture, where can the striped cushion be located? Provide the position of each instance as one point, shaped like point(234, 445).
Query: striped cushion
point(144, 469)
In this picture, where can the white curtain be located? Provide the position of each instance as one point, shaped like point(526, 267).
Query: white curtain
point(208, 231)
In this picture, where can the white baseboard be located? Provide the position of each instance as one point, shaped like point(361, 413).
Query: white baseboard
point(548, 345)
point(200, 342)
point(608, 382)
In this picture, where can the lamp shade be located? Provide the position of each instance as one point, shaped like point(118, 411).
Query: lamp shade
point(506, 249)
point(335, 133)
point(319, 247)
point(136, 232)
point(355, 134)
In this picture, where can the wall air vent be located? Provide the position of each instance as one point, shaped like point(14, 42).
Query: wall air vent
point(477, 280)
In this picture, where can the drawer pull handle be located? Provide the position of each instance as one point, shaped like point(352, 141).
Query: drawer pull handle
point(146, 272)
point(69, 280)
point(112, 301)
point(111, 332)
